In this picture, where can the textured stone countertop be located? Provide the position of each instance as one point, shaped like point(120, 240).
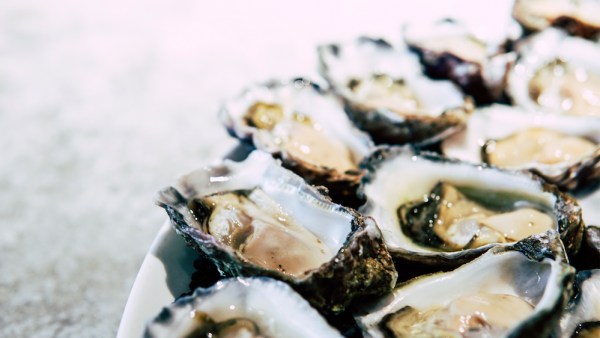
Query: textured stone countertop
point(104, 102)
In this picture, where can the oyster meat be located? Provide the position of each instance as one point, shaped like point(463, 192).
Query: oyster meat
point(582, 317)
point(579, 17)
point(386, 93)
point(439, 212)
point(556, 73)
point(511, 291)
point(559, 148)
point(240, 307)
point(306, 128)
point(255, 218)
point(475, 58)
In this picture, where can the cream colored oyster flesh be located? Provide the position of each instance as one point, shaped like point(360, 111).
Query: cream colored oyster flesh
point(462, 222)
point(567, 89)
point(477, 315)
point(301, 137)
point(384, 91)
point(264, 233)
point(538, 145)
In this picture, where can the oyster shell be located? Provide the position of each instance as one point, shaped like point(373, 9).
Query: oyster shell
point(306, 128)
point(559, 148)
point(556, 73)
point(387, 95)
point(582, 317)
point(256, 307)
point(511, 291)
point(475, 61)
point(580, 17)
point(255, 218)
point(483, 206)
point(588, 256)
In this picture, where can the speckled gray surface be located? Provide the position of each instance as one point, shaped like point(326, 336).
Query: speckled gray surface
point(104, 102)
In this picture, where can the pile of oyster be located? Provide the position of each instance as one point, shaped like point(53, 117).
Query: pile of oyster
point(435, 187)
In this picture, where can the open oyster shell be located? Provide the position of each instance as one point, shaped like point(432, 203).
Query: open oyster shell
point(556, 73)
point(581, 17)
point(475, 58)
point(511, 291)
point(398, 188)
point(261, 307)
point(306, 128)
point(387, 95)
point(582, 317)
point(255, 218)
point(559, 148)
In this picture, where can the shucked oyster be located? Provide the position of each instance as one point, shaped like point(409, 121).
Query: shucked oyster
point(255, 218)
point(513, 291)
point(305, 127)
point(578, 17)
point(440, 212)
point(582, 317)
point(387, 95)
point(556, 73)
point(475, 58)
point(560, 148)
point(241, 307)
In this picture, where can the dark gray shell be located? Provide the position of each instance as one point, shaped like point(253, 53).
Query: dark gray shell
point(362, 265)
point(535, 269)
point(301, 96)
point(588, 257)
point(383, 125)
point(269, 303)
point(393, 178)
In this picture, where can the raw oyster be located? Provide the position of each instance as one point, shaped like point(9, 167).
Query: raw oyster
point(438, 212)
point(511, 291)
point(559, 148)
point(255, 218)
point(582, 317)
point(578, 17)
point(475, 58)
point(557, 73)
point(240, 307)
point(387, 95)
point(307, 128)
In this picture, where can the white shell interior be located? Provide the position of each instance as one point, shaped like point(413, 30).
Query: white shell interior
point(543, 48)
point(510, 273)
point(500, 121)
point(587, 309)
point(277, 309)
point(326, 220)
point(362, 59)
point(298, 97)
point(405, 177)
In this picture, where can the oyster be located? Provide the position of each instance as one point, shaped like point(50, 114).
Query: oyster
point(582, 317)
point(475, 61)
point(559, 148)
point(511, 291)
point(438, 212)
point(255, 218)
point(579, 17)
point(387, 95)
point(241, 307)
point(307, 128)
point(556, 73)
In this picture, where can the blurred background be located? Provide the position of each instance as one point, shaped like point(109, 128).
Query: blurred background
point(102, 103)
